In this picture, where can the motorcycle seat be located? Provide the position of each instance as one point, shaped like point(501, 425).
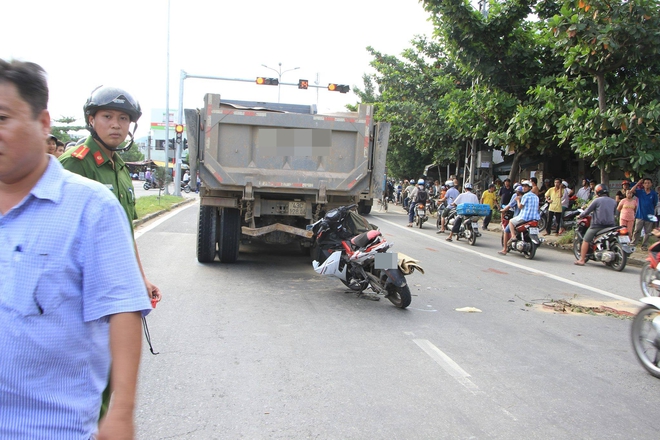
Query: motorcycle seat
point(606, 230)
point(365, 238)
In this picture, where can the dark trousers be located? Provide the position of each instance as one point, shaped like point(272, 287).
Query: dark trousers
point(487, 219)
point(552, 215)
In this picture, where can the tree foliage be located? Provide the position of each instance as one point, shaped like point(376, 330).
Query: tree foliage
point(579, 77)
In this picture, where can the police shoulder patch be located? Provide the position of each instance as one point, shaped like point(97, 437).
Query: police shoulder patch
point(80, 152)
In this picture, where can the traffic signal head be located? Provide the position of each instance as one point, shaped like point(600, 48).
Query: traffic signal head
point(303, 84)
point(341, 88)
point(267, 81)
point(178, 129)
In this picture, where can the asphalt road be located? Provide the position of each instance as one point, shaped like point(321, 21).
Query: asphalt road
point(265, 348)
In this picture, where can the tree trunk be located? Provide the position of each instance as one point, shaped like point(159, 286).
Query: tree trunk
point(515, 165)
point(604, 176)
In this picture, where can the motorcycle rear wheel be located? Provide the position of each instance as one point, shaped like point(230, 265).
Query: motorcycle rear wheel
point(472, 239)
point(399, 296)
point(532, 252)
point(647, 276)
point(645, 339)
point(621, 258)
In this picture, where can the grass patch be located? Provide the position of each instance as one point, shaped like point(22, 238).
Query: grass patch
point(149, 204)
point(567, 237)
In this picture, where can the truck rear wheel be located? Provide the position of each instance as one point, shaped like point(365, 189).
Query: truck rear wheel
point(363, 208)
point(230, 235)
point(206, 233)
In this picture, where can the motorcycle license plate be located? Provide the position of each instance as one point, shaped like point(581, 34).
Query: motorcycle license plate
point(297, 208)
point(421, 212)
point(475, 225)
point(534, 231)
point(624, 239)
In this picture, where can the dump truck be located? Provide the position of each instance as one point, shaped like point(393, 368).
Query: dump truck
point(270, 170)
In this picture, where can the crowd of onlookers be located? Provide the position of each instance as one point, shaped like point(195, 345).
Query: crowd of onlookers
point(636, 205)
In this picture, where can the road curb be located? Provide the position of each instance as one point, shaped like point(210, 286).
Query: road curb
point(153, 215)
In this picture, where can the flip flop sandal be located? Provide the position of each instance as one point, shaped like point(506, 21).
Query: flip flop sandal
point(448, 239)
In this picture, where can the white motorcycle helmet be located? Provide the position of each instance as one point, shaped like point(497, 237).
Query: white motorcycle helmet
point(420, 182)
point(449, 183)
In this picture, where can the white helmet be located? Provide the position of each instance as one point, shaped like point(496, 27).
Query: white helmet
point(420, 182)
point(526, 182)
point(468, 186)
point(449, 183)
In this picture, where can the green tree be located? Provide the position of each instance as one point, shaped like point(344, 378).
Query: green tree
point(612, 119)
point(65, 131)
point(132, 155)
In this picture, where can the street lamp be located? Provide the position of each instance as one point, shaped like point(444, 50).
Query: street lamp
point(279, 76)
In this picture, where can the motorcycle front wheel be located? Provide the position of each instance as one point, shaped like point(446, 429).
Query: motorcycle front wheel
point(647, 276)
point(186, 188)
point(577, 245)
point(146, 186)
point(399, 296)
point(621, 258)
point(645, 339)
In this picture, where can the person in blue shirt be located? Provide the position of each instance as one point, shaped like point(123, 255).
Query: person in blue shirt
point(68, 320)
point(528, 205)
point(647, 198)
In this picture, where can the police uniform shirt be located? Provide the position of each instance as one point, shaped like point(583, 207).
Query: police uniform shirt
point(90, 161)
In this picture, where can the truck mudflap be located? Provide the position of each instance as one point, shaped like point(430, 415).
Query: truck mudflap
point(256, 232)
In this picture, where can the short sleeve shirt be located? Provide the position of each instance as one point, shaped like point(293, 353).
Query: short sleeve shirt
point(90, 161)
point(68, 263)
point(530, 210)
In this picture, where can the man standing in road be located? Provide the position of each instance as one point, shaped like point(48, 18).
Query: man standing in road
point(506, 192)
point(529, 210)
point(108, 114)
point(450, 196)
point(602, 216)
point(647, 198)
point(64, 312)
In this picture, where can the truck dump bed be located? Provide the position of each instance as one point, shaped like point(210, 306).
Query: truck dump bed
point(279, 152)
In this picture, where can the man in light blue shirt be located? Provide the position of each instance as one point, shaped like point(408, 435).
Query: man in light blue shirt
point(65, 312)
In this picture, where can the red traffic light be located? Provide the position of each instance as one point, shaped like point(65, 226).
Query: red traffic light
point(267, 81)
point(341, 88)
point(303, 84)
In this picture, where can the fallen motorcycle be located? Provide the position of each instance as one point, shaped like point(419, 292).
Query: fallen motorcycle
point(359, 261)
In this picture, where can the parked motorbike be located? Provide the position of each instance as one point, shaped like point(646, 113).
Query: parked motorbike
point(359, 261)
point(420, 214)
point(611, 245)
point(569, 217)
point(526, 239)
point(469, 228)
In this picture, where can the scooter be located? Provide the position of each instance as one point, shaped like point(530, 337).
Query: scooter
point(526, 239)
point(469, 228)
point(185, 186)
point(360, 262)
point(148, 184)
point(649, 276)
point(420, 214)
point(611, 245)
point(645, 332)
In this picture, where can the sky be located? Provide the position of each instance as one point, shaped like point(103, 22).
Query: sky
point(123, 43)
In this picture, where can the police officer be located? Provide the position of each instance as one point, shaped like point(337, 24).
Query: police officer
point(109, 112)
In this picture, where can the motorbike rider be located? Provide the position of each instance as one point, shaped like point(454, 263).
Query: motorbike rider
point(450, 196)
point(409, 186)
point(467, 197)
point(528, 205)
point(417, 195)
point(602, 210)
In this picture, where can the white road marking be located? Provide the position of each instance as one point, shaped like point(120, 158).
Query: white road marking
point(163, 218)
point(447, 364)
point(519, 266)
